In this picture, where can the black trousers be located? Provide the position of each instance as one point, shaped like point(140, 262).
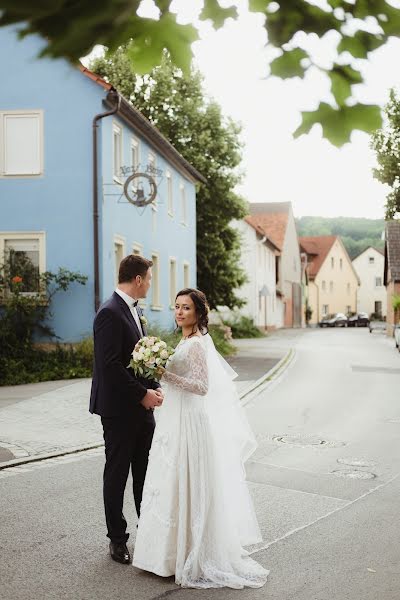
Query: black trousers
point(127, 444)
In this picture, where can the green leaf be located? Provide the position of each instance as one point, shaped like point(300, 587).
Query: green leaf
point(218, 15)
point(340, 87)
point(152, 37)
point(337, 124)
point(342, 78)
point(259, 5)
point(288, 65)
point(360, 44)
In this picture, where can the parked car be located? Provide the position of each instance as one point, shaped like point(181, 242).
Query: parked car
point(397, 336)
point(358, 320)
point(333, 320)
point(377, 326)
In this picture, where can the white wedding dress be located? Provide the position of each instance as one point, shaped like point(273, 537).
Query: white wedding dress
point(196, 513)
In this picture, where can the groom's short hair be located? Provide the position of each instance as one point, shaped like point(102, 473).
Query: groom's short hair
point(131, 266)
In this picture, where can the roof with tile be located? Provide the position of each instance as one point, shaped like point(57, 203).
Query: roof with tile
point(272, 217)
point(392, 250)
point(263, 233)
point(317, 248)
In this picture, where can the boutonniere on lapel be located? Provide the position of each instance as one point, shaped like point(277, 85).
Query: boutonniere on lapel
point(143, 320)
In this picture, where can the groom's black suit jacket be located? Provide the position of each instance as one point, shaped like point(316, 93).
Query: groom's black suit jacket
point(116, 392)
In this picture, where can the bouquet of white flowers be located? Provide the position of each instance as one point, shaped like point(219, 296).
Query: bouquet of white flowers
point(148, 355)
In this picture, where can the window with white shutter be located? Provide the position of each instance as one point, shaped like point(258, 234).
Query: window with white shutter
point(21, 140)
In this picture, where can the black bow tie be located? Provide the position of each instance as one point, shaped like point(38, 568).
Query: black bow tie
point(135, 302)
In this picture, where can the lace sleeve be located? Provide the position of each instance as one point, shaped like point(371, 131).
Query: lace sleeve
point(197, 380)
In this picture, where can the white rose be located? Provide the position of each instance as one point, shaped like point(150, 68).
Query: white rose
point(158, 361)
point(155, 348)
point(162, 344)
point(152, 360)
point(164, 354)
point(149, 342)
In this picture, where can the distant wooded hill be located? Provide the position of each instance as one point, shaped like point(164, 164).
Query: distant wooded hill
point(356, 234)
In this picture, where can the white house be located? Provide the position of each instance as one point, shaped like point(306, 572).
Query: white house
point(258, 259)
point(372, 297)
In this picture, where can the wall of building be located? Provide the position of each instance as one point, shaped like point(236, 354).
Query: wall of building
point(57, 202)
point(369, 267)
point(337, 283)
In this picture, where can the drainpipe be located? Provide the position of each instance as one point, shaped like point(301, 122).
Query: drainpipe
point(96, 202)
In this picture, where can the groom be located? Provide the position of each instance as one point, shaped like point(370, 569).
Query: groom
point(124, 402)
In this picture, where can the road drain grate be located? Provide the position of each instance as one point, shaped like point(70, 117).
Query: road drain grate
point(354, 474)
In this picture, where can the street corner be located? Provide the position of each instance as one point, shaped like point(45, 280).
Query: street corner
point(11, 452)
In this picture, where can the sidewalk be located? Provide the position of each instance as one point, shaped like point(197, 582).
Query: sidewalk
point(52, 418)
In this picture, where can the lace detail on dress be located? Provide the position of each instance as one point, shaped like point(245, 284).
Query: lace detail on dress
point(197, 383)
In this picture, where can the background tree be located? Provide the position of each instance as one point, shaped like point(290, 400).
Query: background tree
point(71, 29)
point(357, 234)
point(386, 143)
point(176, 104)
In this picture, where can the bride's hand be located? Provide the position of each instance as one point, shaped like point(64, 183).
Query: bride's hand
point(160, 371)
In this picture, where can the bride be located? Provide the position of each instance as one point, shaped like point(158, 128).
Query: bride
point(196, 512)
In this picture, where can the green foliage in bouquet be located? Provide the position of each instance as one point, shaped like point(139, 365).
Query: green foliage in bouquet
point(149, 354)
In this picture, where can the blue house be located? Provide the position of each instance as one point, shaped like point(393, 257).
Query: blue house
point(85, 179)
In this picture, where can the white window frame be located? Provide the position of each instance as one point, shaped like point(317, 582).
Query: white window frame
point(172, 280)
point(155, 283)
point(330, 287)
point(332, 262)
point(23, 113)
point(371, 260)
point(183, 202)
point(26, 235)
point(117, 129)
point(186, 269)
point(325, 312)
point(323, 286)
point(170, 193)
point(376, 281)
point(135, 150)
point(120, 241)
point(152, 158)
point(137, 248)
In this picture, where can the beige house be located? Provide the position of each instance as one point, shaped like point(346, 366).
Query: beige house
point(332, 280)
point(392, 271)
point(372, 296)
point(258, 259)
point(277, 221)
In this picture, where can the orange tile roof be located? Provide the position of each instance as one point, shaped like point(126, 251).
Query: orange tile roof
point(272, 217)
point(95, 78)
point(262, 232)
point(317, 248)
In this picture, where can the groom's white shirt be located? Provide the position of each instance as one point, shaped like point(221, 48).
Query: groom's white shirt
point(129, 301)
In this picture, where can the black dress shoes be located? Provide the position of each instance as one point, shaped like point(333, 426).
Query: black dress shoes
point(120, 553)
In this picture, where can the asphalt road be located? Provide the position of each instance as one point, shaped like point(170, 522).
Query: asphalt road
point(325, 482)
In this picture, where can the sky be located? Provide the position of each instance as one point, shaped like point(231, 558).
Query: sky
point(316, 177)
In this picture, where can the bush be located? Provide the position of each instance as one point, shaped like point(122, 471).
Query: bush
point(243, 327)
point(220, 334)
point(36, 364)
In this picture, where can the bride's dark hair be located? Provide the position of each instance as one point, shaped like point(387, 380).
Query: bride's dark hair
point(201, 307)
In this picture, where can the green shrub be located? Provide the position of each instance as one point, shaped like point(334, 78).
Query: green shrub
point(220, 334)
point(243, 327)
point(36, 364)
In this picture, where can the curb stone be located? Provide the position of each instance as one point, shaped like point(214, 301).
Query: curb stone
point(245, 396)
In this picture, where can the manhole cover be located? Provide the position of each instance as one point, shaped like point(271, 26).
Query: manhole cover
point(303, 440)
point(356, 462)
point(299, 440)
point(354, 474)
